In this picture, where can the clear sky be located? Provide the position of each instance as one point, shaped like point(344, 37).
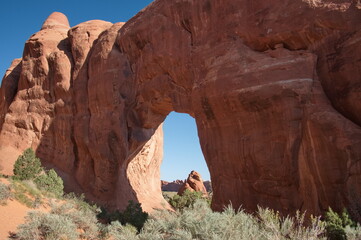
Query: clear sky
point(20, 19)
point(182, 152)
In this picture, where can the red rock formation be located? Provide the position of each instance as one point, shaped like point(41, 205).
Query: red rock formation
point(208, 186)
point(194, 183)
point(171, 186)
point(274, 88)
point(177, 184)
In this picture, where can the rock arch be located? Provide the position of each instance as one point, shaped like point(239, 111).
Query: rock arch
point(273, 90)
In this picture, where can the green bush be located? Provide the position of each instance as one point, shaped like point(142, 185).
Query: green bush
point(186, 200)
point(50, 182)
point(133, 215)
point(336, 224)
point(5, 193)
point(27, 166)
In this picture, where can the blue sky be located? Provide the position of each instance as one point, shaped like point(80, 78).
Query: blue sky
point(20, 19)
point(182, 152)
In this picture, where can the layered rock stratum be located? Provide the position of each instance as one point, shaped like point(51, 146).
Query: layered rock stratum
point(274, 87)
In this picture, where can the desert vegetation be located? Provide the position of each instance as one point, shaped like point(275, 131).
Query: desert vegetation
point(71, 217)
point(5, 193)
point(187, 200)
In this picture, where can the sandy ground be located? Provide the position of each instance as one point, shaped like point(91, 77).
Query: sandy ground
point(13, 214)
point(8, 156)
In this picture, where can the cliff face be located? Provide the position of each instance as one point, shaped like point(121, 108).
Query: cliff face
point(274, 88)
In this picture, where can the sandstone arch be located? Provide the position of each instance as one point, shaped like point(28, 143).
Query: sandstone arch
point(274, 89)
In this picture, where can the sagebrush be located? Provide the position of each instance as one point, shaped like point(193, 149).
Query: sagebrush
point(47, 226)
point(195, 222)
point(64, 221)
point(200, 222)
point(5, 193)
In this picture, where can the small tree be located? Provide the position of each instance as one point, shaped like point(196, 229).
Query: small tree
point(50, 182)
point(186, 200)
point(27, 166)
point(335, 224)
point(133, 215)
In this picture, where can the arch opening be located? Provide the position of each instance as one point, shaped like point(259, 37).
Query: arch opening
point(170, 154)
point(181, 152)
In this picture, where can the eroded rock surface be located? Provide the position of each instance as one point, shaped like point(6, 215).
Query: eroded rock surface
point(274, 88)
point(193, 183)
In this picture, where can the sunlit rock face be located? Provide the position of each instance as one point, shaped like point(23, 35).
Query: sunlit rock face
point(193, 183)
point(274, 88)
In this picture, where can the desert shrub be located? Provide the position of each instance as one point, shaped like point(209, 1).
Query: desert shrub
point(2, 175)
point(81, 203)
point(117, 231)
point(84, 219)
point(50, 182)
point(45, 226)
point(103, 231)
point(186, 200)
point(336, 225)
point(5, 193)
point(24, 199)
point(26, 193)
point(195, 222)
point(353, 233)
point(27, 166)
point(37, 202)
point(275, 227)
point(200, 222)
point(168, 195)
point(133, 215)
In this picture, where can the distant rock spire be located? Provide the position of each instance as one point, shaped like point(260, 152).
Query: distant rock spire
point(193, 183)
point(56, 20)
